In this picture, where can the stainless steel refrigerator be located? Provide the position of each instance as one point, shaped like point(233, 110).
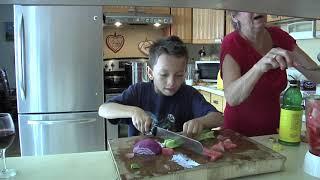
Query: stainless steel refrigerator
point(59, 75)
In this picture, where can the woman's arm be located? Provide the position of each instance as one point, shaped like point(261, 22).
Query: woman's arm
point(302, 59)
point(236, 87)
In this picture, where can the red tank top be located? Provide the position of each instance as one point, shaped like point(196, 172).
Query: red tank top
point(259, 114)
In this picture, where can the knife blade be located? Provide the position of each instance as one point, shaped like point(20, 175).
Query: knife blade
point(186, 142)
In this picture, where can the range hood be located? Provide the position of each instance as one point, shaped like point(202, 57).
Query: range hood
point(137, 18)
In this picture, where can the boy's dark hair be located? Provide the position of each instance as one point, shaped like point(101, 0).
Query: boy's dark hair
point(171, 45)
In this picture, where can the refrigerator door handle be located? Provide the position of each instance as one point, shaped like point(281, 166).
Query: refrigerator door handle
point(21, 57)
point(64, 121)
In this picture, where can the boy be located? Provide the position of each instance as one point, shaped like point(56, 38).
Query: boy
point(171, 104)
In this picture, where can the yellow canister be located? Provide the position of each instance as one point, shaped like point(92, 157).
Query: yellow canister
point(219, 82)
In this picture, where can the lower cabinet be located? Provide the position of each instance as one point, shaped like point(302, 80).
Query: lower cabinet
point(217, 101)
point(206, 95)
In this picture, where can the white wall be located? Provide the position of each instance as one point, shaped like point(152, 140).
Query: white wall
point(7, 47)
point(311, 47)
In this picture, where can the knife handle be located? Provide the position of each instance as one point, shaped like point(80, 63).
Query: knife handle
point(154, 130)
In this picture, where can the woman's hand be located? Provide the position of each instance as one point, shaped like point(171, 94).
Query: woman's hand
point(141, 120)
point(276, 58)
point(192, 127)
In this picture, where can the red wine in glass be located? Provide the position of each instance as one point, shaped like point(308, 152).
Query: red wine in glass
point(7, 134)
point(6, 138)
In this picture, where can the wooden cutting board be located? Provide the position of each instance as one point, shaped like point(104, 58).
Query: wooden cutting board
point(249, 158)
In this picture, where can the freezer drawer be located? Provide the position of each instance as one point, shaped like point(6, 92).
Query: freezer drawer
point(61, 133)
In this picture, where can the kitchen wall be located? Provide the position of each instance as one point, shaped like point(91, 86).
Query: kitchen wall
point(133, 35)
point(311, 47)
point(212, 51)
point(7, 47)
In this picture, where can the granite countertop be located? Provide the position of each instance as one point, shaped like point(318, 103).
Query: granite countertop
point(99, 165)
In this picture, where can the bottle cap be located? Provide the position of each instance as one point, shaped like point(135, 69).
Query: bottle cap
point(294, 82)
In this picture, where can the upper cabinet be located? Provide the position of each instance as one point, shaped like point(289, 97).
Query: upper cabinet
point(126, 9)
point(115, 9)
point(182, 23)
point(208, 26)
point(155, 10)
point(271, 18)
point(229, 27)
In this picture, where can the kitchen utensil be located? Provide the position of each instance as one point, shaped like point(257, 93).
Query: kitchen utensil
point(186, 142)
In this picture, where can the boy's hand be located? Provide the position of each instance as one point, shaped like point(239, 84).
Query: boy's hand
point(192, 127)
point(141, 120)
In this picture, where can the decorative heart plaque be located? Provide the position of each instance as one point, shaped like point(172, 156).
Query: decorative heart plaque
point(144, 46)
point(115, 42)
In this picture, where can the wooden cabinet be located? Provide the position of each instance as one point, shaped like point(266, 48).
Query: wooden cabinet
point(126, 9)
point(206, 95)
point(217, 101)
point(115, 9)
point(182, 23)
point(229, 27)
point(271, 18)
point(207, 25)
point(274, 18)
point(155, 10)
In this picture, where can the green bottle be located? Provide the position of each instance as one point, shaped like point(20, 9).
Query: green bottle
point(291, 115)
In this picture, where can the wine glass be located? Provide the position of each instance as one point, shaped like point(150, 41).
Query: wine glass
point(7, 134)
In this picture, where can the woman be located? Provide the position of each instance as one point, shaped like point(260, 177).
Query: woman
point(253, 62)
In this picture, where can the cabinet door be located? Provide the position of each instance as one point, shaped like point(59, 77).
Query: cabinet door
point(206, 95)
point(126, 9)
point(203, 26)
point(219, 24)
point(229, 27)
point(155, 10)
point(207, 26)
point(115, 9)
point(182, 23)
point(217, 102)
point(271, 18)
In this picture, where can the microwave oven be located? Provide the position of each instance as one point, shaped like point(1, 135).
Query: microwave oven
point(208, 70)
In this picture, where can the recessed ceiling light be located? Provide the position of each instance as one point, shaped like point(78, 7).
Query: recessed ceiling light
point(118, 23)
point(157, 24)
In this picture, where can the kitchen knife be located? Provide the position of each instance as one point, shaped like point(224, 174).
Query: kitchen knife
point(186, 142)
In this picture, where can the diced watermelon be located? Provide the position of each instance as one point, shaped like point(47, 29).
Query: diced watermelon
point(213, 155)
point(228, 144)
point(218, 147)
point(167, 151)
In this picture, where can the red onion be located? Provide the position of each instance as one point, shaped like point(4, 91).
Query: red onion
point(147, 147)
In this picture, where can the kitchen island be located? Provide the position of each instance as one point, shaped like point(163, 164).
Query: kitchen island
point(99, 165)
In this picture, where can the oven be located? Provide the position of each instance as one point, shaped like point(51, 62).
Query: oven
point(119, 74)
